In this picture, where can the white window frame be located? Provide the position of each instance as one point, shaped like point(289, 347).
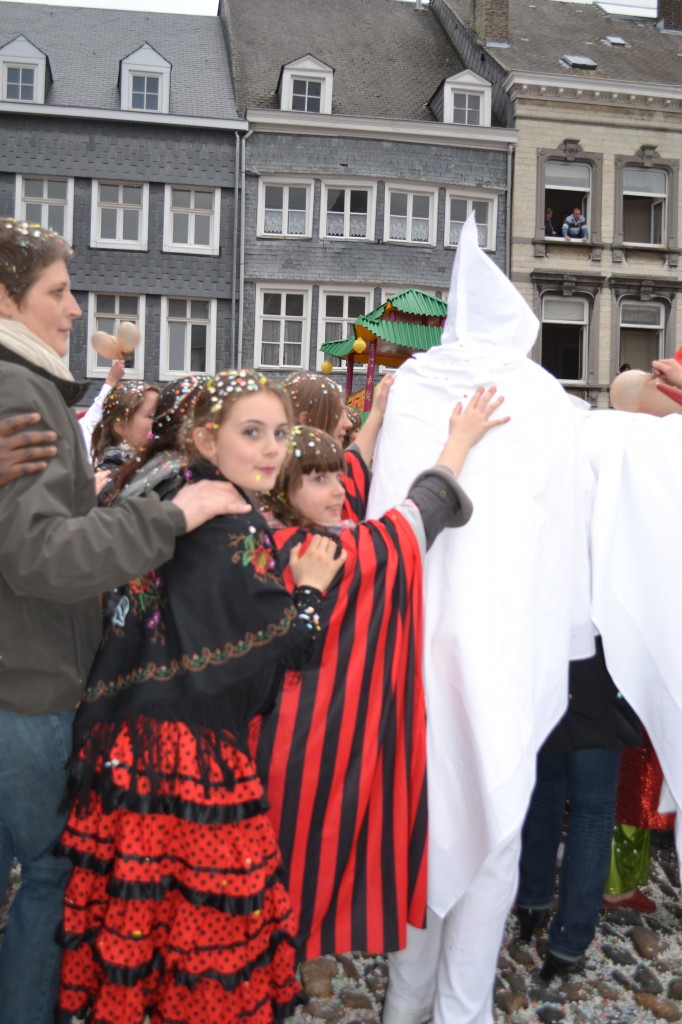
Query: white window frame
point(213, 248)
point(20, 200)
point(656, 198)
point(585, 203)
point(310, 69)
point(585, 323)
point(307, 80)
point(660, 327)
point(349, 186)
point(119, 243)
point(345, 290)
point(470, 196)
point(285, 183)
point(284, 288)
point(164, 372)
point(145, 61)
point(467, 83)
point(135, 372)
point(411, 191)
point(20, 53)
point(8, 66)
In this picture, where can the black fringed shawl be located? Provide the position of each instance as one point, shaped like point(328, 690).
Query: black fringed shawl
point(204, 639)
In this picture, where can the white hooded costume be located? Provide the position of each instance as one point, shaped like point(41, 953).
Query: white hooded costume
point(498, 610)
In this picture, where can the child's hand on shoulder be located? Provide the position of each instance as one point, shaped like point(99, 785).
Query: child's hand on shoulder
point(319, 563)
point(468, 425)
point(381, 393)
point(472, 423)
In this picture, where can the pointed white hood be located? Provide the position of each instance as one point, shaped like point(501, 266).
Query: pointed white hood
point(483, 304)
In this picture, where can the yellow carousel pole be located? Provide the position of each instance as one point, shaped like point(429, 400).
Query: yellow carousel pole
point(371, 367)
point(350, 366)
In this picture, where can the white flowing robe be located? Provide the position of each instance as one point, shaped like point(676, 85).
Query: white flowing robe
point(501, 593)
point(637, 572)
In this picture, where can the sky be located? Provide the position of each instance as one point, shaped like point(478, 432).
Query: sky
point(167, 6)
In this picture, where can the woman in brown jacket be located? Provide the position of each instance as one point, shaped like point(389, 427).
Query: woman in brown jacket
point(57, 552)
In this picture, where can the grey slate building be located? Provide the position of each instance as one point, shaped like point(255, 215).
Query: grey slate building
point(119, 130)
point(369, 145)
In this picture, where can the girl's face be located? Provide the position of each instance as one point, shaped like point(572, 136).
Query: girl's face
point(342, 427)
point(251, 445)
point(48, 308)
point(319, 498)
point(135, 432)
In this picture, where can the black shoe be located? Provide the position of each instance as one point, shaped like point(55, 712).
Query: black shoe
point(554, 965)
point(530, 921)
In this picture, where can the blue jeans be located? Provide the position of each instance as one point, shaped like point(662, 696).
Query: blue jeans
point(588, 779)
point(34, 750)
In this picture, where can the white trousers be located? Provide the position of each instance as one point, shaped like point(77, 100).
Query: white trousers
point(448, 968)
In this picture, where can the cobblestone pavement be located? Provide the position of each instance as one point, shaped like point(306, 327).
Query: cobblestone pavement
point(633, 972)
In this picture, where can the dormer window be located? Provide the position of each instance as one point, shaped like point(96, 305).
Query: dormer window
point(463, 99)
point(24, 70)
point(306, 85)
point(144, 81)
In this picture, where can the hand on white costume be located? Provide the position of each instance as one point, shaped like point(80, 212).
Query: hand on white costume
point(468, 425)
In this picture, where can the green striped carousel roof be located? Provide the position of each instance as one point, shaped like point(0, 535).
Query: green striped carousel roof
point(396, 334)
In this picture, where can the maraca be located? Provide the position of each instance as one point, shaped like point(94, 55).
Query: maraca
point(109, 347)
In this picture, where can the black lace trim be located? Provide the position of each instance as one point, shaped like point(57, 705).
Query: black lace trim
point(90, 862)
point(131, 976)
point(113, 798)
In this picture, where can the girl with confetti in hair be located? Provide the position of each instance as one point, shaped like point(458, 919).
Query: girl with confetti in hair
point(343, 753)
point(126, 423)
point(176, 908)
point(318, 402)
point(159, 463)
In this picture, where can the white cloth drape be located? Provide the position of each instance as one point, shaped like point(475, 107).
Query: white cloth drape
point(637, 571)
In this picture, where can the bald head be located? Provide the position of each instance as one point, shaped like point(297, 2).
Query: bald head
point(636, 391)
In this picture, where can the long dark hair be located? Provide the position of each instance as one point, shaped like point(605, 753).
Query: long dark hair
point(173, 413)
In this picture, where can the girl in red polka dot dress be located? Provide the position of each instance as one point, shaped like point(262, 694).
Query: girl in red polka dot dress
point(176, 909)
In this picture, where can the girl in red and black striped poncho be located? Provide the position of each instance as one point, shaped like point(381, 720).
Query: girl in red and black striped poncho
point(176, 909)
point(343, 753)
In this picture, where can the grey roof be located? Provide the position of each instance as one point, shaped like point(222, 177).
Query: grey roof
point(542, 31)
point(85, 46)
point(388, 57)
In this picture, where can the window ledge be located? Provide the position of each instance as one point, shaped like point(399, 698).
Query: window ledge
point(171, 375)
point(485, 248)
point(191, 250)
point(405, 241)
point(288, 237)
point(670, 255)
point(126, 246)
point(100, 375)
point(594, 249)
point(344, 238)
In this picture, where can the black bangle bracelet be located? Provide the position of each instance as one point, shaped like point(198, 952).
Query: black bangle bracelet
point(308, 601)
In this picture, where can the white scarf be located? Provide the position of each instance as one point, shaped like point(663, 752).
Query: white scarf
point(23, 342)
